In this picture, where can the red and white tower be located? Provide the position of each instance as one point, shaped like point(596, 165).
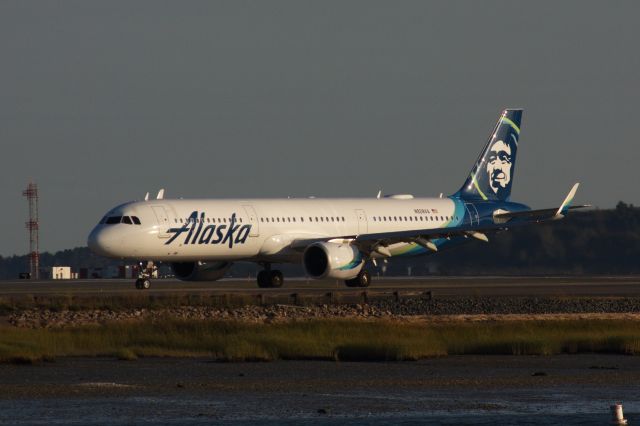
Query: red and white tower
point(33, 226)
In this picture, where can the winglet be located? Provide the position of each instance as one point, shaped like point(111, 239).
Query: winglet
point(567, 202)
point(160, 195)
point(146, 197)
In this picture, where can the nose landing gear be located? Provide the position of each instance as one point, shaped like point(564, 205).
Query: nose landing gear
point(144, 277)
point(143, 283)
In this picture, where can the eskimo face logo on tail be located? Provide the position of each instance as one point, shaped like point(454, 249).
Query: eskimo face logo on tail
point(222, 233)
point(499, 167)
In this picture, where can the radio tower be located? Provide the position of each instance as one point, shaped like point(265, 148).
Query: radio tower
point(33, 226)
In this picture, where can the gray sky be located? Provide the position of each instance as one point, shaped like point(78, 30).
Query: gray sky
point(103, 101)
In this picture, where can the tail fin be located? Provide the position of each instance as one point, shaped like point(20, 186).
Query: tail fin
point(492, 175)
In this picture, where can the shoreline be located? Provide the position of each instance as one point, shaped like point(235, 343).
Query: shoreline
point(34, 318)
point(66, 311)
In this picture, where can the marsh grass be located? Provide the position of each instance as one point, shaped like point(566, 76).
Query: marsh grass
point(346, 340)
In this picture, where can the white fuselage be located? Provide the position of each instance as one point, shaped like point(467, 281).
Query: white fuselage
point(262, 230)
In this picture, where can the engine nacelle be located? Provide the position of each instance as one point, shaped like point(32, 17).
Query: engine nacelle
point(200, 271)
point(333, 260)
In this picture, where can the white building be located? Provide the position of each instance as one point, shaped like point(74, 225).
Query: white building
point(61, 273)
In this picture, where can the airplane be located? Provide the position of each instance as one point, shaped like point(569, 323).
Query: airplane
point(335, 238)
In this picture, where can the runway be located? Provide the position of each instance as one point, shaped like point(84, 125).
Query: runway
point(601, 286)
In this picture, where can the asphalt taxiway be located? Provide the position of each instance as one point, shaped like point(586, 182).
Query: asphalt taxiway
point(570, 286)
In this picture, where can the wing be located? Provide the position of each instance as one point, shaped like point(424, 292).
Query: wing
point(536, 215)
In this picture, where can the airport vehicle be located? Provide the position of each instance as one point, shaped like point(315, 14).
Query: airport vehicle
point(336, 238)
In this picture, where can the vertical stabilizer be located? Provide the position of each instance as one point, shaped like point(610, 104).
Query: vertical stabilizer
point(492, 175)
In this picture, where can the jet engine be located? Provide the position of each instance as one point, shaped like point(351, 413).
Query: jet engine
point(200, 271)
point(333, 260)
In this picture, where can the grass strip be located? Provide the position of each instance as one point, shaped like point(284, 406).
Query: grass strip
point(346, 340)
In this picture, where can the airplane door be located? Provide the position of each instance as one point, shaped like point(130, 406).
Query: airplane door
point(163, 221)
point(253, 220)
point(474, 218)
point(363, 227)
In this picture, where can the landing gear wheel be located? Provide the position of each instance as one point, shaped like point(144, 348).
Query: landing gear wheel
point(143, 283)
point(277, 279)
point(264, 279)
point(270, 279)
point(362, 280)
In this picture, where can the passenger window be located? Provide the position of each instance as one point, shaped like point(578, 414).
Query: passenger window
point(301, 219)
point(135, 220)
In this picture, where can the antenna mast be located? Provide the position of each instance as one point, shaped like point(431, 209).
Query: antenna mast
point(33, 226)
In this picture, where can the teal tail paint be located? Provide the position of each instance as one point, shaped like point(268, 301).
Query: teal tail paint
point(492, 175)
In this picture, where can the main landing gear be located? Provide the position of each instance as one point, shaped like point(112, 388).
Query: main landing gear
point(270, 279)
point(363, 279)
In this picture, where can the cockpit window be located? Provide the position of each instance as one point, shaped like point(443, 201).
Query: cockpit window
point(127, 220)
point(113, 219)
point(135, 220)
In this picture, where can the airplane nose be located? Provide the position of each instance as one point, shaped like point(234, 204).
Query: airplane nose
point(102, 241)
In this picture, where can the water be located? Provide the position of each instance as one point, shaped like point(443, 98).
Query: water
point(468, 390)
point(509, 407)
